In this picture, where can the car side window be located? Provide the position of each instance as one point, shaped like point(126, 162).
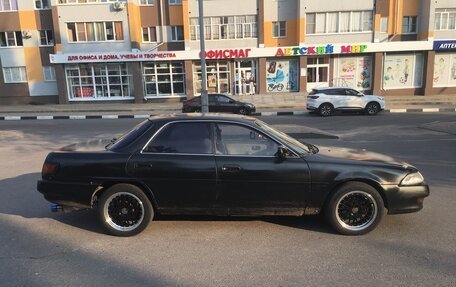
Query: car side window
point(351, 92)
point(211, 98)
point(339, 92)
point(185, 138)
point(232, 139)
point(223, 99)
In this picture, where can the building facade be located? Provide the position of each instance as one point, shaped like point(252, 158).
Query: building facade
point(74, 51)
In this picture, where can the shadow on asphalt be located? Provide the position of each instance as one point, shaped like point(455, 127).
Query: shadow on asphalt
point(29, 203)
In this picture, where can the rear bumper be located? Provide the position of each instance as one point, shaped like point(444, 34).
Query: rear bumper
point(73, 194)
point(405, 199)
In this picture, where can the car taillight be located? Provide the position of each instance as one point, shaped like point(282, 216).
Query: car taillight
point(313, 97)
point(49, 168)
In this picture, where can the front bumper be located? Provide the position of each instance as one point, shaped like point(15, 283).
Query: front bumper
point(405, 199)
point(73, 194)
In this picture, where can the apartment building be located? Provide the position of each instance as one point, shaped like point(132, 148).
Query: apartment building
point(74, 51)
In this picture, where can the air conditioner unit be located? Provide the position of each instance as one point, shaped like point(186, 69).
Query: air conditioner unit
point(118, 6)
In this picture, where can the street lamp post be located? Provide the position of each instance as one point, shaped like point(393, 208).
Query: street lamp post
point(204, 100)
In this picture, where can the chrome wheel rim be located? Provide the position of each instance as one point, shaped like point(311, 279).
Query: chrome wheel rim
point(372, 109)
point(356, 210)
point(123, 211)
point(326, 110)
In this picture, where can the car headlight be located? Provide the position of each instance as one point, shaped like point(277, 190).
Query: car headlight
point(413, 179)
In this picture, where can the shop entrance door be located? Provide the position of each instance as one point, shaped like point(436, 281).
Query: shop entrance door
point(245, 78)
point(317, 72)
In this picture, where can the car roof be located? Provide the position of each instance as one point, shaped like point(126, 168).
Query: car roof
point(203, 117)
point(331, 88)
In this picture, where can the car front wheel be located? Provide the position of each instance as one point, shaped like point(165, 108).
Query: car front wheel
point(124, 210)
point(243, 111)
point(355, 208)
point(372, 108)
point(326, 110)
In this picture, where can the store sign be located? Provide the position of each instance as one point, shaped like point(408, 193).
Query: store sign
point(320, 50)
point(445, 45)
point(227, 54)
point(109, 57)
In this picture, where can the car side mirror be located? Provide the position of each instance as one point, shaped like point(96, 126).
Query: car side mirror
point(360, 95)
point(282, 152)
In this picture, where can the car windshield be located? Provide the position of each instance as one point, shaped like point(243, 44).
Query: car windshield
point(296, 145)
point(129, 136)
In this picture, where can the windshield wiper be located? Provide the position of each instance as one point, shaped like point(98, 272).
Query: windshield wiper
point(113, 140)
point(313, 148)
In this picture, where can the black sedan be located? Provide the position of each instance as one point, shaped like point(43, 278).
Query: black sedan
point(219, 103)
point(227, 165)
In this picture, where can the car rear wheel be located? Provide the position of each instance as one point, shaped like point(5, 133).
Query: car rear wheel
point(326, 110)
point(125, 210)
point(243, 111)
point(355, 208)
point(372, 108)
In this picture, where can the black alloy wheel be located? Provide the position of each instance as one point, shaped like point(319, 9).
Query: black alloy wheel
point(372, 108)
point(125, 210)
point(326, 110)
point(243, 111)
point(356, 208)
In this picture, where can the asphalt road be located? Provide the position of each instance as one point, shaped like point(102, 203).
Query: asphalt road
point(40, 248)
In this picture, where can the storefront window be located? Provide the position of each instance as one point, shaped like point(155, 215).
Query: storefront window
point(353, 72)
point(245, 77)
point(282, 75)
point(99, 81)
point(445, 70)
point(164, 79)
point(403, 71)
point(218, 77)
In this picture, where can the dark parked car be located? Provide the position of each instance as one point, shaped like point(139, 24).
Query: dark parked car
point(219, 103)
point(227, 165)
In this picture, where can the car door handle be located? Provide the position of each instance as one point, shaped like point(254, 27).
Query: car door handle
point(143, 165)
point(231, 168)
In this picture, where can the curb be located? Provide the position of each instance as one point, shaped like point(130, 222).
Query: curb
point(143, 116)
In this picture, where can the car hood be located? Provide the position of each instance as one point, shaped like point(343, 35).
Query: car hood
point(362, 155)
point(87, 146)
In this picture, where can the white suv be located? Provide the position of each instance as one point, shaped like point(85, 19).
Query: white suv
point(327, 100)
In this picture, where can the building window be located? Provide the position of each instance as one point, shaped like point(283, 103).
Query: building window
point(222, 28)
point(444, 70)
point(8, 5)
point(11, 39)
point(353, 72)
point(339, 22)
point(279, 29)
point(218, 75)
point(282, 75)
point(317, 71)
point(384, 25)
point(175, 2)
point(149, 34)
point(177, 33)
point(147, 2)
point(99, 81)
point(403, 71)
point(42, 4)
point(94, 31)
point(14, 74)
point(85, 1)
point(46, 38)
point(409, 25)
point(445, 19)
point(49, 73)
point(164, 79)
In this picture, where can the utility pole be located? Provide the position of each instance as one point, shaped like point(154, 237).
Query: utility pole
point(204, 100)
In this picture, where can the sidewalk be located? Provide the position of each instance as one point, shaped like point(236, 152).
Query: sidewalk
point(265, 104)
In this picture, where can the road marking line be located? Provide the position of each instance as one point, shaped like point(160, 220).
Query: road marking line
point(110, 117)
point(141, 116)
point(398, 110)
point(430, 110)
point(269, 113)
point(12, 118)
point(44, 117)
point(77, 117)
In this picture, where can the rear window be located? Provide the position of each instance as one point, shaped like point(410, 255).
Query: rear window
point(130, 136)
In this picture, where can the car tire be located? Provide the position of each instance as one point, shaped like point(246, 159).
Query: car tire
point(372, 108)
point(355, 208)
point(243, 111)
point(326, 110)
point(124, 210)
